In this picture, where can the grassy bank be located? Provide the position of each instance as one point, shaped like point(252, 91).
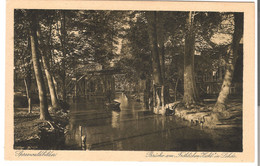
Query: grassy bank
point(32, 133)
point(203, 114)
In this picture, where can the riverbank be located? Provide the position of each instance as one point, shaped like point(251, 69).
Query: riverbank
point(203, 115)
point(32, 133)
point(137, 128)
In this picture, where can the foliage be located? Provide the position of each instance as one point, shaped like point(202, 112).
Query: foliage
point(120, 39)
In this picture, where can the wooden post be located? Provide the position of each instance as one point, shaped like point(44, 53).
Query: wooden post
point(113, 86)
point(83, 90)
point(162, 97)
point(154, 95)
point(76, 89)
point(28, 96)
point(86, 89)
point(80, 130)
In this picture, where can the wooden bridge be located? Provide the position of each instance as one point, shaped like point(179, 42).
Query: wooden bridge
point(100, 84)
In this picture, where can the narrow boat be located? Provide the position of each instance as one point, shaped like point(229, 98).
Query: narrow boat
point(113, 106)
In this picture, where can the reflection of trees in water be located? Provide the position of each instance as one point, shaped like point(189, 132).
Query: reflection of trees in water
point(118, 145)
point(73, 135)
point(75, 132)
point(162, 124)
point(115, 119)
point(159, 122)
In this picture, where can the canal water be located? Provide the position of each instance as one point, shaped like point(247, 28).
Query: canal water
point(136, 128)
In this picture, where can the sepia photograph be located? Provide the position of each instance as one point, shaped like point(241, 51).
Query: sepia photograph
point(123, 80)
point(113, 80)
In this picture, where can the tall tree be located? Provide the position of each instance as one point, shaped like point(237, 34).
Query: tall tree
point(27, 79)
point(22, 52)
point(63, 38)
point(44, 50)
point(190, 90)
point(135, 55)
point(160, 32)
point(44, 113)
point(157, 75)
point(232, 53)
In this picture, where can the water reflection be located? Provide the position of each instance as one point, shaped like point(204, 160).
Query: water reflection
point(115, 119)
point(135, 128)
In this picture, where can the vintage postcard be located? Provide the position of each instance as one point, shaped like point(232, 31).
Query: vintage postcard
point(130, 81)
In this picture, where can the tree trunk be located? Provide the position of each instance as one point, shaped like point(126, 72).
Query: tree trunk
point(233, 55)
point(55, 86)
point(190, 90)
point(28, 79)
point(161, 39)
point(63, 63)
point(162, 65)
point(147, 92)
point(54, 99)
point(45, 62)
point(162, 58)
point(44, 113)
point(157, 75)
point(162, 97)
point(176, 88)
point(159, 32)
point(28, 94)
